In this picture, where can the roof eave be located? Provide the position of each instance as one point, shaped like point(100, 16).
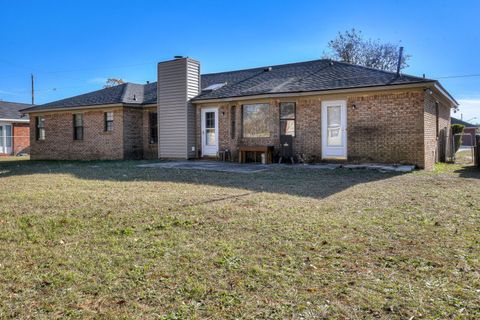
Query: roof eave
point(317, 92)
point(47, 109)
point(15, 120)
point(447, 95)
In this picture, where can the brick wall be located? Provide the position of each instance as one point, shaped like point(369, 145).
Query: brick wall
point(132, 133)
point(436, 144)
point(21, 138)
point(385, 126)
point(59, 143)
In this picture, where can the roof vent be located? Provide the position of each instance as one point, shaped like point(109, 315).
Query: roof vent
point(267, 69)
point(148, 82)
point(214, 86)
point(134, 98)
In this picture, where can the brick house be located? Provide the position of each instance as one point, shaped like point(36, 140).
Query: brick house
point(329, 110)
point(14, 129)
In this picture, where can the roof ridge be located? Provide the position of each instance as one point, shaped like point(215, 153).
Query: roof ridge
point(380, 70)
point(266, 66)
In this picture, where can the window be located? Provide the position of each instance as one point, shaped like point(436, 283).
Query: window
point(108, 121)
point(8, 135)
point(287, 119)
point(40, 128)
point(256, 120)
point(152, 125)
point(233, 122)
point(78, 126)
point(437, 119)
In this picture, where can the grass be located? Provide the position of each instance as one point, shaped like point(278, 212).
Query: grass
point(111, 240)
point(464, 157)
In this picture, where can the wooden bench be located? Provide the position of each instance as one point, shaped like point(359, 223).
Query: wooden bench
point(268, 150)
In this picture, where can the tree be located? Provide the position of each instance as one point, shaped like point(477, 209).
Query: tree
point(112, 82)
point(457, 131)
point(351, 47)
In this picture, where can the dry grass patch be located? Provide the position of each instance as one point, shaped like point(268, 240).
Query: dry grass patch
point(110, 240)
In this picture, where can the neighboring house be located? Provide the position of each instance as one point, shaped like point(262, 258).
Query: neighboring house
point(14, 129)
point(333, 111)
point(470, 131)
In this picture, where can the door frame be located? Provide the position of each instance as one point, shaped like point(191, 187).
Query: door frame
point(344, 122)
point(202, 135)
point(5, 149)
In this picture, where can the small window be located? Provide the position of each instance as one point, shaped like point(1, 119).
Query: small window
point(153, 127)
point(287, 119)
point(40, 128)
point(233, 119)
point(78, 126)
point(437, 115)
point(256, 120)
point(108, 121)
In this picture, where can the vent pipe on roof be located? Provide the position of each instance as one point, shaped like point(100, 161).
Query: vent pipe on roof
point(267, 69)
point(400, 54)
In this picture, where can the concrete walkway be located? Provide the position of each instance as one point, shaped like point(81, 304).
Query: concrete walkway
point(209, 165)
point(253, 168)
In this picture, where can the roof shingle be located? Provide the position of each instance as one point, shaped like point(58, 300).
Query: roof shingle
point(317, 75)
point(11, 110)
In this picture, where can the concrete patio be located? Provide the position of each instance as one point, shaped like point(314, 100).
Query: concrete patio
point(254, 168)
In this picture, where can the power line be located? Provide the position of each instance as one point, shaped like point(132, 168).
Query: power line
point(83, 69)
point(460, 76)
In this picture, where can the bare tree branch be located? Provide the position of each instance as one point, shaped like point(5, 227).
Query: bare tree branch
point(112, 82)
point(352, 48)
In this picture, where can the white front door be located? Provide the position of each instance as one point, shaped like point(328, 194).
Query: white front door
point(334, 129)
point(209, 131)
point(6, 138)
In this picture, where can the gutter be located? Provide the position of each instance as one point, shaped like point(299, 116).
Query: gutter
point(96, 106)
point(39, 109)
point(16, 120)
point(444, 92)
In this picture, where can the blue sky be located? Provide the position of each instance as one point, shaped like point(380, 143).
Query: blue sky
point(73, 46)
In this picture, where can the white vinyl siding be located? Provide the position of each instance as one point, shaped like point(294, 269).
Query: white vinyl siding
point(178, 82)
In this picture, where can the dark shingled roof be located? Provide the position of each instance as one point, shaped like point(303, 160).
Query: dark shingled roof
point(466, 124)
point(317, 75)
point(11, 110)
point(131, 93)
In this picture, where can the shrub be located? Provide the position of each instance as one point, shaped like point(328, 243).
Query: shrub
point(457, 130)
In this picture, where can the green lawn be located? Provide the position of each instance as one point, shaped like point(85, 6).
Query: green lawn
point(111, 240)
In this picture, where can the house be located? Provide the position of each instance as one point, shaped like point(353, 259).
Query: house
point(14, 129)
point(331, 110)
point(470, 131)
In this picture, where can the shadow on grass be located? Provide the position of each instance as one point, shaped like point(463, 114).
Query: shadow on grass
point(298, 181)
point(469, 171)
